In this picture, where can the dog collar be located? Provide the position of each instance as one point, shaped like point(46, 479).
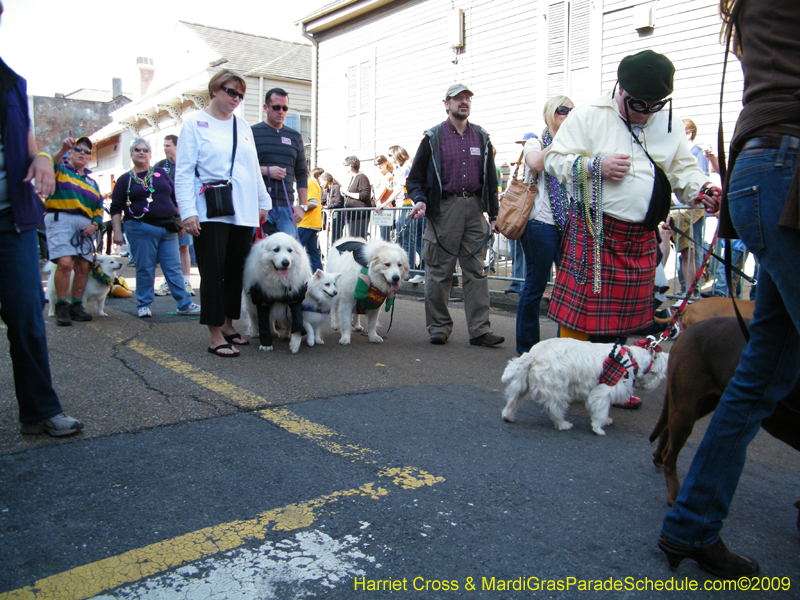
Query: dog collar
point(96, 271)
point(316, 309)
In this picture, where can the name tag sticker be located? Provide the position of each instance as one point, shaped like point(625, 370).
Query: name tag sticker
point(285, 140)
point(202, 124)
point(475, 151)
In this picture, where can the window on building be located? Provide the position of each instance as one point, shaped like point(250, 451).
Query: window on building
point(568, 28)
point(360, 113)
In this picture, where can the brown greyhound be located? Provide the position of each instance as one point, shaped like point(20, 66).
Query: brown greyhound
point(701, 363)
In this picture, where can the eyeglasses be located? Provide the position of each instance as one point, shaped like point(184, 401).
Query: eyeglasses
point(232, 93)
point(278, 107)
point(642, 107)
point(80, 150)
point(141, 149)
point(563, 110)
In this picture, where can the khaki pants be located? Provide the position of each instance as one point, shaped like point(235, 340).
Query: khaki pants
point(460, 229)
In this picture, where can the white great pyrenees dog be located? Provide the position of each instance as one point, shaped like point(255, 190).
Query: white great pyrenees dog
point(102, 273)
point(275, 272)
point(386, 265)
point(560, 370)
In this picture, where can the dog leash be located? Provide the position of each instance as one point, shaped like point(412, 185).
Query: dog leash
point(673, 323)
point(485, 240)
point(83, 244)
point(713, 254)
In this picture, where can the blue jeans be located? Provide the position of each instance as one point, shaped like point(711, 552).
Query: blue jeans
point(151, 245)
point(21, 304)
point(720, 286)
point(283, 218)
point(540, 244)
point(517, 263)
point(770, 363)
point(308, 238)
point(411, 239)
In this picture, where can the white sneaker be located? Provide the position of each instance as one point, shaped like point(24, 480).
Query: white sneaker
point(417, 279)
point(145, 312)
point(163, 290)
point(192, 309)
point(188, 286)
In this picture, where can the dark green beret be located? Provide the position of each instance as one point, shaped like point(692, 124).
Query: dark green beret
point(646, 75)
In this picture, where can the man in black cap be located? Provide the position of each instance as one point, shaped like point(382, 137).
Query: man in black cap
point(453, 182)
point(623, 159)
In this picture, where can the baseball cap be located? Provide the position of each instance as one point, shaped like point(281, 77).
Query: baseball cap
point(526, 136)
point(85, 141)
point(456, 89)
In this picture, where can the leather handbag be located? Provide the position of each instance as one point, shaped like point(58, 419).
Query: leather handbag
point(516, 204)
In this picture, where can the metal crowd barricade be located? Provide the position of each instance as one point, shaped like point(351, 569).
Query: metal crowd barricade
point(394, 224)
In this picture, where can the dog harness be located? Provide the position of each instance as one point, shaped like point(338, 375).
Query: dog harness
point(97, 273)
point(368, 297)
point(616, 365)
point(263, 303)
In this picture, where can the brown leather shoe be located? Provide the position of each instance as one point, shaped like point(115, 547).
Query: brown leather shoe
point(438, 339)
point(487, 339)
point(716, 559)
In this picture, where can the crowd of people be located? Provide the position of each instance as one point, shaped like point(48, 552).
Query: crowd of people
point(605, 173)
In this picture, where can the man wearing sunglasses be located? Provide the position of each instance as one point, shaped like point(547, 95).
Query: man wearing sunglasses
point(282, 157)
point(613, 149)
point(74, 215)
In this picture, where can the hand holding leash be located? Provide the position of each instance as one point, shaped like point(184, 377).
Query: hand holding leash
point(709, 196)
point(418, 211)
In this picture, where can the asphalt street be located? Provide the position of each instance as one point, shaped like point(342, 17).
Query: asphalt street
point(366, 471)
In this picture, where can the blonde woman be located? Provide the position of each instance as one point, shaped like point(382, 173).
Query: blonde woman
point(205, 156)
point(542, 238)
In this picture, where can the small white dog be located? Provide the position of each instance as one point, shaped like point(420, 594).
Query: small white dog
point(275, 271)
point(561, 370)
point(386, 265)
point(101, 277)
point(317, 304)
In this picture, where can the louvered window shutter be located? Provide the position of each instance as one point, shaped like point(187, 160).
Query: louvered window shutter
point(578, 54)
point(556, 48)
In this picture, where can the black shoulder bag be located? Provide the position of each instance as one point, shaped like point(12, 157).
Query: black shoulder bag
point(658, 210)
point(219, 194)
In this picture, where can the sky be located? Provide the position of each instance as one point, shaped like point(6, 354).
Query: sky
point(65, 45)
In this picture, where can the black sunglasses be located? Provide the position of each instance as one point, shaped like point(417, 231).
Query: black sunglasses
point(640, 106)
point(141, 150)
point(80, 150)
point(563, 110)
point(232, 93)
point(278, 107)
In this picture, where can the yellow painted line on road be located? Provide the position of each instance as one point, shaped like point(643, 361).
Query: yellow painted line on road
point(109, 573)
point(242, 397)
point(98, 577)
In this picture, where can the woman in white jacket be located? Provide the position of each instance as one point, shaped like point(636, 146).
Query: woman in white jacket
point(206, 155)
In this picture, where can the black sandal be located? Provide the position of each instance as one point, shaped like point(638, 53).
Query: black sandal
point(232, 338)
point(216, 350)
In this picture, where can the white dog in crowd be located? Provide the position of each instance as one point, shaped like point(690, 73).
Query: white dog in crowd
point(386, 265)
point(561, 370)
point(276, 271)
point(102, 273)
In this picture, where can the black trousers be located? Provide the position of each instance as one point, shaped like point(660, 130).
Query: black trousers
point(221, 250)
